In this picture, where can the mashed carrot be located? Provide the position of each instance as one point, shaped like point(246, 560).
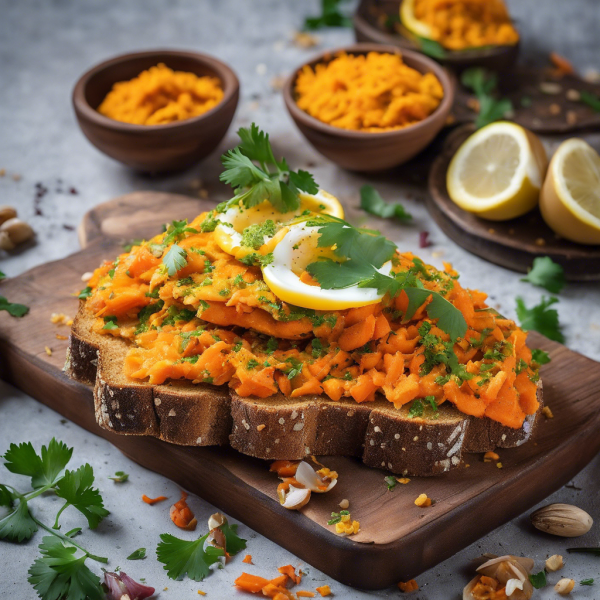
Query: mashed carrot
point(160, 95)
point(216, 322)
point(372, 93)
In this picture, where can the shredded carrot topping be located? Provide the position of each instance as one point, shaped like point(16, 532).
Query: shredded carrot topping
point(374, 93)
point(182, 515)
point(291, 573)
point(153, 500)
point(408, 586)
point(211, 323)
point(247, 559)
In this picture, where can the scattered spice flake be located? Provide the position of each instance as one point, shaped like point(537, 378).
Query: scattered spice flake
point(2, 172)
point(16, 177)
point(248, 559)
point(60, 319)
point(324, 590)
point(68, 227)
point(260, 427)
point(423, 501)
point(302, 39)
point(424, 239)
point(408, 586)
point(547, 412)
point(48, 350)
point(73, 191)
point(344, 504)
point(201, 593)
point(153, 500)
point(182, 515)
point(499, 465)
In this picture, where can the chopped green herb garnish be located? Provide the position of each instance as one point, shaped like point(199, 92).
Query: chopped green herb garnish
point(373, 203)
point(547, 274)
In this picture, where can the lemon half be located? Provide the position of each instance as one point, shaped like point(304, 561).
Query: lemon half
point(407, 16)
point(570, 198)
point(498, 171)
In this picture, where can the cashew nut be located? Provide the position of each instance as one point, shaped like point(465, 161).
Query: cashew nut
point(17, 230)
point(5, 241)
point(6, 213)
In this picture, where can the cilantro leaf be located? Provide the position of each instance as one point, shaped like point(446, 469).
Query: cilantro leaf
point(304, 181)
point(176, 231)
point(76, 488)
point(391, 482)
point(6, 498)
point(374, 204)
point(44, 470)
point(586, 582)
point(541, 318)
point(175, 259)
point(538, 580)
point(181, 557)
point(330, 17)
point(2, 276)
point(547, 274)
point(86, 292)
point(138, 554)
point(233, 542)
point(110, 323)
point(591, 100)
point(120, 477)
point(431, 47)
point(484, 83)
point(13, 309)
point(416, 409)
point(540, 357)
point(59, 574)
point(450, 319)
point(17, 525)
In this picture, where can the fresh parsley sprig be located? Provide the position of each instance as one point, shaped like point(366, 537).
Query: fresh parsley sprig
point(541, 318)
point(330, 16)
point(12, 308)
point(547, 274)
point(538, 580)
point(372, 202)
point(60, 570)
point(256, 175)
point(484, 83)
point(194, 558)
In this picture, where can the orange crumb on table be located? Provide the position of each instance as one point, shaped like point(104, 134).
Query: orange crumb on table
point(562, 66)
point(547, 412)
point(182, 515)
point(248, 559)
point(324, 590)
point(305, 594)
point(153, 500)
point(291, 573)
point(403, 480)
point(408, 586)
point(423, 501)
point(490, 456)
point(201, 593)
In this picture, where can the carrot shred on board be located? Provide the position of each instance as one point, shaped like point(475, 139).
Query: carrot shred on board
point(561, 65)
point(291, 573)
point(324, 590)
point(248, 559)
point(408, 586)
point(305, 594)
point(153, 500)
point(182, 515)
point(250, 583)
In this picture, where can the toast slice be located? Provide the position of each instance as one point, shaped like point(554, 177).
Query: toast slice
point(277, 427)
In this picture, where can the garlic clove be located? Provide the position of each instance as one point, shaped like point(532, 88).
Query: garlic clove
point(554, 563)
point(564, 520)
point(294, 498)
point(216, 520)
point(309, 478)
point(467, 591)
point(512, 585)
point(564, 586)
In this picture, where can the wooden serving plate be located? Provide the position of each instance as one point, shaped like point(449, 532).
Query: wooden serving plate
point(512, 244)
point(397, 540)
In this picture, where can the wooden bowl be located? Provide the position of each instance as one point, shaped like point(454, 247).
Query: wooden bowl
point(375, 22)
point(154, 148)
point(367, 151)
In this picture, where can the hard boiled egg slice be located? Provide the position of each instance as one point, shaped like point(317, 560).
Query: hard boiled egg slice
point(238, 218)
point(292, 254)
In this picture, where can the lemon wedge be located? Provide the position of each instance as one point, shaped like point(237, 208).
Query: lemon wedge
point(570, 198)
point(498, 171)
point(410, 21)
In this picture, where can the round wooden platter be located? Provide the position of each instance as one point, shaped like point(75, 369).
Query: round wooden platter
point(512, 244)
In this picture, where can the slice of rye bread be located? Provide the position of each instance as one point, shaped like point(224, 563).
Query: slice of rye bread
point(277, 427)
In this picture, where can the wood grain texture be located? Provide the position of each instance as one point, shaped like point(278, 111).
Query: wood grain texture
point(397, 540)
point(512, 244)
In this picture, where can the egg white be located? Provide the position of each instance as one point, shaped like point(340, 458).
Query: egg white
point(297, 249)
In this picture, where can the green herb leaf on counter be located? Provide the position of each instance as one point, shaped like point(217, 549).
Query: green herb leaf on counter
point(175, 259)
point(233, 542)
point(138, 554)
point(2, 276)
point(538, 580)
point(13, 309)
point(430, 47)
point(391, 482)
point(591, 100)
point(374, 204)
point(330, 16)
point(120, 476)
point(253, 183)
point(182, 557)
point(540, 318)
point(18, 525)
point(586, 582)
point(540, 356)
point(547, 274)
point(483, 83)
point(595, 551)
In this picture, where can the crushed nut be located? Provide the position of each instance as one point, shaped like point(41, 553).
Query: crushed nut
point(403, 480)
point(554, 109)
point(260, 427)
point(344, 504)
point(540, 242)
point(571, 117)
point(550, 88)
point(48, 351)
point(423, 501)
point(564, 586)
point(554, 563)
point(573, 95)
point(547, 412)
point(61, 337)
point(60, 319)
point(490, 456)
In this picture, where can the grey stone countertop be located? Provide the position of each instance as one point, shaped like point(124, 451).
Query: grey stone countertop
point(44, 47)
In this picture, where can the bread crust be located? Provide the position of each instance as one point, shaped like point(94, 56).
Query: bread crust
point(277, 427)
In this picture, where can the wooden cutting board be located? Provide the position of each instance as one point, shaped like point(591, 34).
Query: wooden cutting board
point(397, 540)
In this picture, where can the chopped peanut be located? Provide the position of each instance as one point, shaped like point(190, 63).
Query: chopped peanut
point(403, 480)
point(547, 412)
point(408, 586)
point(554, 563)
point(48, 350)
point(423, 501)
point(260, 427)
point(324, 590)
point(490, 456)
point(344, 504)
point(564, 586)
point(499, 465)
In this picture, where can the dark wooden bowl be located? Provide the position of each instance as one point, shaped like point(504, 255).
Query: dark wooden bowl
point(366, 151)
point(154, 148)
point(375, 21)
